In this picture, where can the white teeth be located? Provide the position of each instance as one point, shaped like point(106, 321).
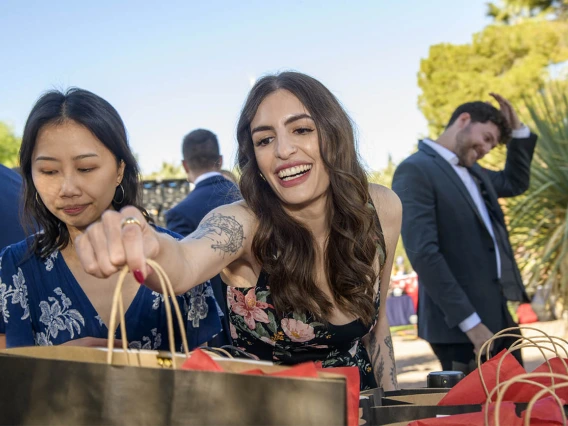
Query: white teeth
point(286, 173)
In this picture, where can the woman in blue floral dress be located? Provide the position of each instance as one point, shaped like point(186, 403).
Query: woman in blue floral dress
point(76, 165)
point(307, 253)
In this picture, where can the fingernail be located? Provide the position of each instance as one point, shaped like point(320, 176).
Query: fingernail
point(138, 276)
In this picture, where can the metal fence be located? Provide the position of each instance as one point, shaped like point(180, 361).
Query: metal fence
point(158, 196)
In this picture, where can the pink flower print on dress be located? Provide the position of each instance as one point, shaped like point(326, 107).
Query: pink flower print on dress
point(297, 331)
point(248, 307)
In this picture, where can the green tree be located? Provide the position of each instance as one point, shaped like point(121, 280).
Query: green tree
point(512, 11)
point(511, 60)
point(9, 146)
point(168, 171)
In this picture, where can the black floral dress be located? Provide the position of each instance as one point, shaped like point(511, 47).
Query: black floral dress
point(296, 338)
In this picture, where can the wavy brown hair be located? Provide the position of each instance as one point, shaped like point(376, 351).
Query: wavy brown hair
point(284, 247)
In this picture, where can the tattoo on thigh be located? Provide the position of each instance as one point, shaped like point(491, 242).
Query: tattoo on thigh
point(225, 232)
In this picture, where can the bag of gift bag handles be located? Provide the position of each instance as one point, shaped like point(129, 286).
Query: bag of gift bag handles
point(516, 400)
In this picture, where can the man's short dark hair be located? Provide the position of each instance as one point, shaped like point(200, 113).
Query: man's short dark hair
point(201, 149)
point(482, 112)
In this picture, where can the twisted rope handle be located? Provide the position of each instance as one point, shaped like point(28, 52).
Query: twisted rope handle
point(540, 394)
point(533, 343)
point(118, 305)
point(516, 346)
point(215, 351)
point(528, 378)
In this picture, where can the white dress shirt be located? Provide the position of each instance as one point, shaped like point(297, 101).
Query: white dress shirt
point(204, 176)
point(473, 190)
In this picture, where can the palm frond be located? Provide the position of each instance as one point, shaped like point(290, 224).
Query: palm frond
point(538, 220)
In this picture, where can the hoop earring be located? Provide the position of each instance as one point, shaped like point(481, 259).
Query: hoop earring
point(37, 199)
point(123, 194)
point(262, 176)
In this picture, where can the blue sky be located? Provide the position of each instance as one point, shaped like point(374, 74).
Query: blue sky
point(170, 67)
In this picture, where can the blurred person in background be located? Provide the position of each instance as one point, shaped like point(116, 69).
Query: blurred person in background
point(202, 163)
point(11, 230)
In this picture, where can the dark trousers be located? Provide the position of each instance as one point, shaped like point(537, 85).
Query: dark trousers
point(460, 356)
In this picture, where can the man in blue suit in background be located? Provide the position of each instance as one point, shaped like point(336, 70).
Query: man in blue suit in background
point(10, 198)
point(202, 162)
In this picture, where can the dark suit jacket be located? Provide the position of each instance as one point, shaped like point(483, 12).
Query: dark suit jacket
point(448, 244)
point(10, 197)
point(184, 219)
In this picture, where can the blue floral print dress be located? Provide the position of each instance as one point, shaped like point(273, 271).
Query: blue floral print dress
point(43, 304)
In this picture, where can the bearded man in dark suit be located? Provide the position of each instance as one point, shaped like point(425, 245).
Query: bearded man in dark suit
point(454, 230)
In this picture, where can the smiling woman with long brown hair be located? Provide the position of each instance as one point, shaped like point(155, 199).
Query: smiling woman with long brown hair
point(307, 255)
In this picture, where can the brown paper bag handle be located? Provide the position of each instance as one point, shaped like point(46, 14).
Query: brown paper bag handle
point(118, 305)
point(179, 316)
point(502, 388)
point(215, 351)
point(519, 344)
point(487, 345)
point(504, 333)
point(533, 343)
point(540, 394)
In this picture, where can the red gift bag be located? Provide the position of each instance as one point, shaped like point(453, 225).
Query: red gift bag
point(507, 417)
point(522, 392)
point(470, 390)
point(526, 314)
point(545, 413)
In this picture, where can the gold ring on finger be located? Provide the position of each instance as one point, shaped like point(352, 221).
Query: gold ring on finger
point(131, 220)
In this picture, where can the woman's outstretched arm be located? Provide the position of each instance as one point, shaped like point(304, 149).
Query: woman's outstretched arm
point(222, 237)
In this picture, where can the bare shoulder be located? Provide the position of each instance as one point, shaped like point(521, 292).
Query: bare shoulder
point(387, 203)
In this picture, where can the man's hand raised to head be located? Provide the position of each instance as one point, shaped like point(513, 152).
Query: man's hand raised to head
point(508, 111)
